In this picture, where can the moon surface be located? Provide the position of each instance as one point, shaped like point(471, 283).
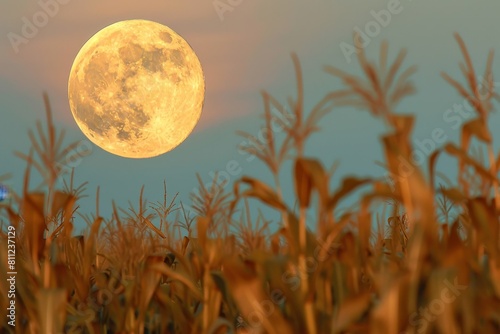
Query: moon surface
point(136, 89)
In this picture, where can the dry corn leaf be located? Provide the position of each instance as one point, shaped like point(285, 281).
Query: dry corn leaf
point(465, 158)
point(432, 166)
point(291, 233)
point(170, 273)
point(202, 224)
point(485, 221)
point(260, 191)
point(454, 194)
point(349, 184)
point(494, 271)
point(384, 317)
point(474, 128)
point(60, 201)
point(247, 290)
point(350, 311)
point(185, 243)
point(51, 310)
point(309, 174)
point(154, 228)
point(454, 253)
point(221, 326)
point(397, 149)
point(403, 124)
point(33, 214)
point(220, 282)
point(150, 280)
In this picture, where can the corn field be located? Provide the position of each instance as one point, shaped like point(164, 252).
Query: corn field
point(431, 264)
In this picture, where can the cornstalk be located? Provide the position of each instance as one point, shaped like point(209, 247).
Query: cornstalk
point(304, 279)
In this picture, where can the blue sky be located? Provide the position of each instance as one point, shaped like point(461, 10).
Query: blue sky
point(244, 48)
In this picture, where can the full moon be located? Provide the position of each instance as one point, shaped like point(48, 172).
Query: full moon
point(136, 89)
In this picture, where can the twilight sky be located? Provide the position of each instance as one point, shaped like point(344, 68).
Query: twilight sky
point(244, 47)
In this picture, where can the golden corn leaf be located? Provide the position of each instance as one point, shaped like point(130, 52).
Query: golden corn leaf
point(202, 224)
point(494, 268)
point(454, 194)
point(384, 317)
point(349, 184)
point(309, 174)
point(485, 221)
point(51, 310)
point(303, 185)
point(253, 303)
point(397, 145)
point(185, 243)
point(403, 124)
point(260, 191)
point(291, 233)
point(150, 280)
point(154, 228)
point(455, 251)
point(452, 149)
point(220, 282)
point(350, 311)
point(170, 273)
point(33, 211)
point(33, 214)
point(60, 201)
point(432, 165)
point(474, 128)
point(221, 326)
